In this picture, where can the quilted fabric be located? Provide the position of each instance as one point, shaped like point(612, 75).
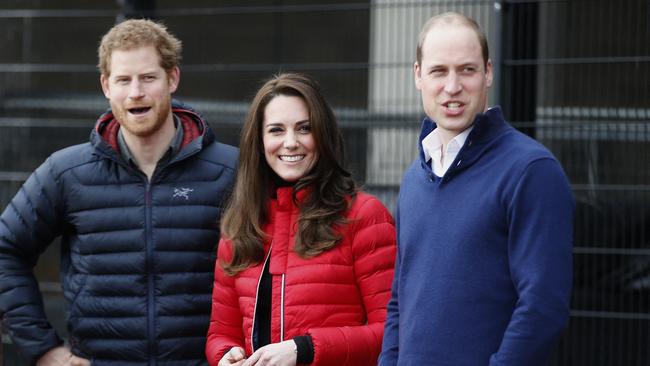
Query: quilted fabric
point(338, 297)
point(137, 255)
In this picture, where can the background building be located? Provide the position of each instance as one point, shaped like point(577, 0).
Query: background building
point(575, 74)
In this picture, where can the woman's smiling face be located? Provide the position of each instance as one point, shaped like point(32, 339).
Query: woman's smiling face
point(289, 146)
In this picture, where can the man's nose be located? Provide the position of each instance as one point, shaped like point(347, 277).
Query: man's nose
point(135, 90)
point(453, 84)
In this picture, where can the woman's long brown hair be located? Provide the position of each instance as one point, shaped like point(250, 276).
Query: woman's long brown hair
point(330, 184)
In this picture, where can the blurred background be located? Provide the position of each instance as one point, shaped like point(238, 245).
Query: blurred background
point(573, 74)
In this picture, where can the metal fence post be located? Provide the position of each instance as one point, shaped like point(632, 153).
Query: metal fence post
point(497, 56)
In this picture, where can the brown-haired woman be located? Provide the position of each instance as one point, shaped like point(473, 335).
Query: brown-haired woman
point(305, 264)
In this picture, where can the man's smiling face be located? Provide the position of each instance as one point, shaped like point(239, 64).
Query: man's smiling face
point(453, 77)
point(139, 90)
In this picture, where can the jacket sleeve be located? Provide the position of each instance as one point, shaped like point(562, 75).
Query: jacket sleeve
point(373, 250)
point(225, 329)
point(390, 345)
point(28, 225)
point(540, 222)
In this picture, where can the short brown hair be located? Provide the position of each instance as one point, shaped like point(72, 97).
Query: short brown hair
point(134, 33)
point(450, 18)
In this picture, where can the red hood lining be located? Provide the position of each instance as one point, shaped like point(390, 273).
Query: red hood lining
point(108, 127)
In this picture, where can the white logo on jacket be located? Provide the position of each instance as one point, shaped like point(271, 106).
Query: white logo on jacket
point(182, 192)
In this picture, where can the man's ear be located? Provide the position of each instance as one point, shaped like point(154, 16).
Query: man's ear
point(417, 75)
point(174, 77)
point(488, 73)
point(103, 79)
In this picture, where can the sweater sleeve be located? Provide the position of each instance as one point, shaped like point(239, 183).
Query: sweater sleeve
point(373, 250)
point(540, 223)
point(390, 345)
point(28, 225)
point(225, 330)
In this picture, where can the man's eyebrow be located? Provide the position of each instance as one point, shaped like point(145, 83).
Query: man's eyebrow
point(436, 66)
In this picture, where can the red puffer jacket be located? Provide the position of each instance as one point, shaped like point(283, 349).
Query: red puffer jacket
point(338, 297)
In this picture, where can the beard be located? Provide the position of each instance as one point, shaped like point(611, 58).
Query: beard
point(143, 127)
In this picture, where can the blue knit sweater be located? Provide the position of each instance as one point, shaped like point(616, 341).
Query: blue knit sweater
point(483, 273)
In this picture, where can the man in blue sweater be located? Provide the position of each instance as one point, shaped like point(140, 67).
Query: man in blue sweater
point(137, 209)
point(484, 222)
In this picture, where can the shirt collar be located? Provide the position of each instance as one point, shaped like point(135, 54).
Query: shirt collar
point(174, 146)
point(432, 142)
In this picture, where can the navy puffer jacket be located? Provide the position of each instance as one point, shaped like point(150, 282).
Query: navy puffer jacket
point(137, 257)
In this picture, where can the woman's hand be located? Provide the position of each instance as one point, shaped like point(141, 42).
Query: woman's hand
point(275, 354)
point(235, 357)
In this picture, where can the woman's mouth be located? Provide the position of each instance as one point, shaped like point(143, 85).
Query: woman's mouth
point(291, 158)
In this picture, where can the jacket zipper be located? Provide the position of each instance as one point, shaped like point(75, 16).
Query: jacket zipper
point(282, 310)
point(257, 293)
point(150, 276)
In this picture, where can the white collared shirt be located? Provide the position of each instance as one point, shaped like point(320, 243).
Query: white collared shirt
point(432, 148)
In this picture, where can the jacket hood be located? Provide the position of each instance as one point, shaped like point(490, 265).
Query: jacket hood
point(196, 131)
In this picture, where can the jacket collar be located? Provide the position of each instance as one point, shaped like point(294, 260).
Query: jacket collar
point(283, 224)
point(196, 132)
point(284, 198)
point(488, 127)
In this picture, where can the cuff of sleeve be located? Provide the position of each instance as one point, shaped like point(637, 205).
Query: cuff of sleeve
point(33, 351)
point(304, 349)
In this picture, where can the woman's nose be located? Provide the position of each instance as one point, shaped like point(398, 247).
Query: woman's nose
point(290, 141)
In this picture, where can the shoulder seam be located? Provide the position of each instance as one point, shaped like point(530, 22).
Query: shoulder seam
point(52, 160)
